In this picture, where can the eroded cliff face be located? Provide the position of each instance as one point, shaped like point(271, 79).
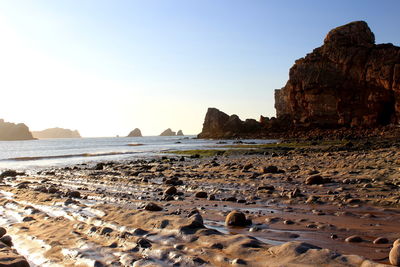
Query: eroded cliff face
point(349, 81)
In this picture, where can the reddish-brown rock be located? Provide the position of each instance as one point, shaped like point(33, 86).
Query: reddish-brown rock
point(349, 81)
point(217, 124)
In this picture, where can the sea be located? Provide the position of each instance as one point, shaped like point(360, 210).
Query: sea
point(45, 153)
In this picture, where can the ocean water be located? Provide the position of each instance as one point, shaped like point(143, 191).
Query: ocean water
point(36, 154)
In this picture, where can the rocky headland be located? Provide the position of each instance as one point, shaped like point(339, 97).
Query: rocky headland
point(56, 133)
point(135, 133)
point(11, 131)
point(349, 83)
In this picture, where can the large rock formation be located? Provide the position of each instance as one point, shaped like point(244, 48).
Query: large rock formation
point(11, 131)
point(56, 133)
point(135, 133)
point(168, 132)
point(217, 124)
point(348, 81)
point(180, 133)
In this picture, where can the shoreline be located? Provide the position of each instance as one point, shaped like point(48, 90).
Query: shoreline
point(102, 205)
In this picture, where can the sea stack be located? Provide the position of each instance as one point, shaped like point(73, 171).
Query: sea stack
point(168, 132)
point(180, 133)
point(11, 131)
point(56, 133)
point(135, 133)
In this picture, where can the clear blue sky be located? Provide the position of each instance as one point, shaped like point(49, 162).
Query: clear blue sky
point(106, 67)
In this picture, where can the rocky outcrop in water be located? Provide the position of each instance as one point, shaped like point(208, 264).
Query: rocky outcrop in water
point(11, 131)
point(56, 133)
point(217, 124)
point(168, 132)
point(135, 133)
point(180, 133)
point(349, 81)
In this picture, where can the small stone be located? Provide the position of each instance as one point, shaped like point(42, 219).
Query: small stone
point(354, 239)
point(152, 207)
point(394, 256)
point(288, 222)
point(381, 240)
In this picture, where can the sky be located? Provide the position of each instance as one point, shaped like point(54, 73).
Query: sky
point(107, 67)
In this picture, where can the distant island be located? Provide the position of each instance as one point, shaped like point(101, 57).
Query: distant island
point(11, 131)
point(135, 133)
point(56, 133)
point(169, 132)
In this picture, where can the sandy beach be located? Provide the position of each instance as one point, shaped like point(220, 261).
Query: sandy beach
point(318, 204)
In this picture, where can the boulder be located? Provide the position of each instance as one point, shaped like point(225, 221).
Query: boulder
point(236, 218)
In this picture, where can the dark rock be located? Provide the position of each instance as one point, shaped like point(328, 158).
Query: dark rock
point(201, 194)
point(270, 169)
point(170, 191)
point(7, 240)
point(152, 207)
point(73, 194)
point(354, 239)
point(8, 173)
point(143, 243)
point(381, 240)
point(315, 179)
point(3, 231)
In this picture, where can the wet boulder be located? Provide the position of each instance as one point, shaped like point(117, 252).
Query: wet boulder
point(236, 218)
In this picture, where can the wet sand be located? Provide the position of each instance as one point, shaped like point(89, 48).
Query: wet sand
point(98, 215)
